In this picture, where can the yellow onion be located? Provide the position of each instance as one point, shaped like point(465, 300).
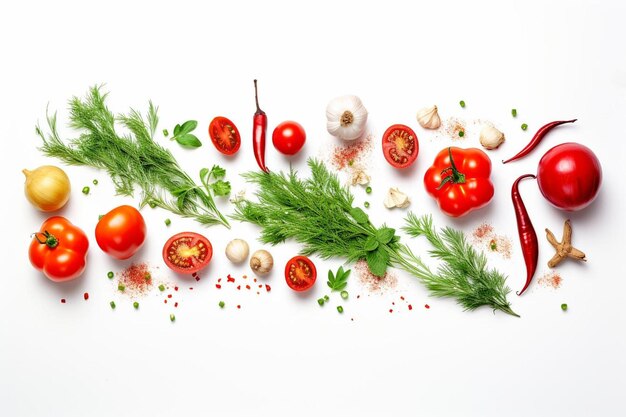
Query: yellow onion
point(47, 187)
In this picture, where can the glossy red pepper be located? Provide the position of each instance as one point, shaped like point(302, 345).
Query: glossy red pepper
point(259, 128)
point(527, 235)
point(537, 138)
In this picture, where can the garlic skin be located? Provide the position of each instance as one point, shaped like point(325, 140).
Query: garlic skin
point(428, 117)
point(346, 117)
point(237, 251)
point(261, 262)
point(396, 198)
point(491, 138)
point(360, 177)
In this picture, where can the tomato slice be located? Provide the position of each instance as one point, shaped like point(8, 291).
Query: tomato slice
point(224, 135)
point(400, 146)
point(300, 273)
point(187, 252)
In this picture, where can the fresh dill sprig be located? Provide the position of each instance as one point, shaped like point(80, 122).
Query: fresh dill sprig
point(318, 213)
point(134, 160)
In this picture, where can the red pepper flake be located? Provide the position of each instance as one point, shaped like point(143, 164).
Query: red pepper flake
point(218, 286)
point(255, 280)
point(230, 279)
point(358, 296)
point(391, 310)
point(165, 301)
point(347, 155)
point(190, 288)
point(426, 306)
point(197, 278)
point(257, 293)
point(86, 296)
point(176, 304)
point(393, 303)
point(551, 279)
point(194, 274)
point(402, 298)
point(260, 285)
point(62, 300)
point(238, 287)
point(247, 287)
point(268, 288)
point(175, 288)
point(410, 307)
point(169, 295)
point(219, 280)
point(238, 306)
point(244, 276)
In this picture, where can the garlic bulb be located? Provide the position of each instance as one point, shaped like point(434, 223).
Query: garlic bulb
point(261, 262)
point(237, 251)
point(490, 137)
point(396, 198)
point(428, 118)
point(346, 117)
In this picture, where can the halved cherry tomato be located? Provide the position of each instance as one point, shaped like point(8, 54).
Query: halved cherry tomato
point(121, 232)
point(300, 273)
point(225, 135)
point(187, 252)
point(400, 146)
point(289, 137)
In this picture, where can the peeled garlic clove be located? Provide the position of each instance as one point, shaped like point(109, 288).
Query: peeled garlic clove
point(490, 137)
point(396, 198)
point(360, 177)
point(428, 118)
point(237, 251)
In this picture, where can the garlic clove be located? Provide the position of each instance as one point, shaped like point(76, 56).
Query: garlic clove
point(360, 177)
point(237, 251)
point(491, 138)
point(346, 117)
point(428, 117)
point(396, 198)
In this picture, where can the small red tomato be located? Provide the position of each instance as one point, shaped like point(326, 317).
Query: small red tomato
point(187, 252)
point(59, 249)
point(400, 146)
point(569, 176)
point(121, 232)
point(224, 135)
point(300, 273)
point(289, 137)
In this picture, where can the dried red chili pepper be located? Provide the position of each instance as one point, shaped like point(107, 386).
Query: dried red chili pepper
point(527, 236)
point(537, 138)
point(259, 128)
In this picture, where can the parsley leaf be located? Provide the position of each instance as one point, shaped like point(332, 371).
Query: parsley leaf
point(338, 281)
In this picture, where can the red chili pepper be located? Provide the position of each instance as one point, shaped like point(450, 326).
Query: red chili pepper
point(537, 138)
point(258, 132)
point(526, 231)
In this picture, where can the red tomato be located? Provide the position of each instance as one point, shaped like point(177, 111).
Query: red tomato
point(289, 137)
point(459, 180)
point(121, 232)
point(187, 252)
point(400, 146)
point(569, 176)
point(300, 273)
point(224, 135)
point(59, 250)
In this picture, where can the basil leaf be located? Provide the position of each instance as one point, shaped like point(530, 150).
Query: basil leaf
point(371, 243)
point(221, 188)
point(385, 234)
point(359, 215)
point(377, 261)
point(189, 141)
point(188, 127)
point(176, 130)
point(331, 279)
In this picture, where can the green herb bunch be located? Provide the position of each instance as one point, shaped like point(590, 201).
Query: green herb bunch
point(318, 213)
point(135, 160)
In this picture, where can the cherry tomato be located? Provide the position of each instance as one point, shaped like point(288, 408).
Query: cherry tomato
point(224, 135)
point(121, 232)
point(569, 176)
point(289, 137)
point(459, 180)
point(59, 249)
point(300, 273)
point(187, 252)
point(400, 146)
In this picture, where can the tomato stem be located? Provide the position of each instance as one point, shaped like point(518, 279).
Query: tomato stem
point(49, 240)
point(454, 176)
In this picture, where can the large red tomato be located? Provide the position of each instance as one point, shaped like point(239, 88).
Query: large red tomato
point(459, 180)
point(121, 232)
point(569, 176)
point(59, 249)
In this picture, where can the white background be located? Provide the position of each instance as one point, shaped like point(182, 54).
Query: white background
point(281, 354)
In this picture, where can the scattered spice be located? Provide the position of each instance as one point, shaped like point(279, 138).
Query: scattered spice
point(551, 279)
point(352, 153)
point(136, 278)
point(373, 283)
point(86, 296)
point(486, 239)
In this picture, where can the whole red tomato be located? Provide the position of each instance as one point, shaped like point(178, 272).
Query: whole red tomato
point(59, 249)
point(459, 180)
point(569, 176)
point(289, 137)
point(121, 232)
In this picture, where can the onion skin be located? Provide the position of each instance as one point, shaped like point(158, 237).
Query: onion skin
point(47, 188)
